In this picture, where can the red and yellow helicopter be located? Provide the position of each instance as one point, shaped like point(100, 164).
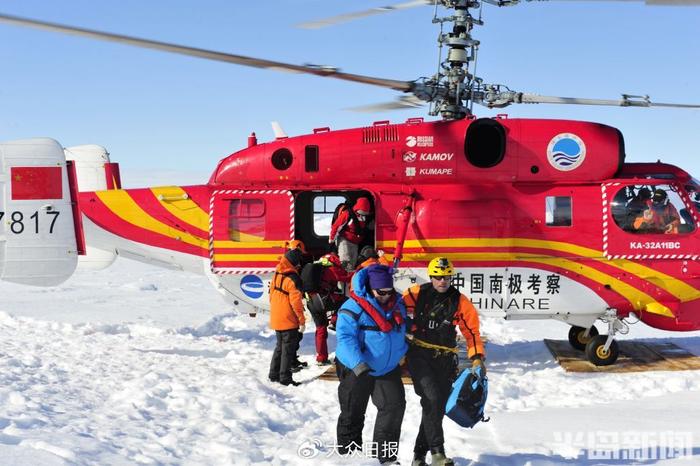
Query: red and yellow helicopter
point(540, 217)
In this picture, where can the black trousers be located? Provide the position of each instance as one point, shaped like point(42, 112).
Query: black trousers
point(432, 381)
point(388, 396)
point(300, 336)
point(284, 355)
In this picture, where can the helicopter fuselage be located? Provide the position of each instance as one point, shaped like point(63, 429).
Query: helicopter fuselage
point(533, 213)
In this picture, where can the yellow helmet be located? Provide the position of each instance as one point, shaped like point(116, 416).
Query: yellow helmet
point(440, 267)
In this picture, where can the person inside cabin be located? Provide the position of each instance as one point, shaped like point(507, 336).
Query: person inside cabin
point(634, 208)
point(349, 230)
point(659, 217)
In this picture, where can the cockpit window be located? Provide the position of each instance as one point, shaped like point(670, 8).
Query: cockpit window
point(652, 209)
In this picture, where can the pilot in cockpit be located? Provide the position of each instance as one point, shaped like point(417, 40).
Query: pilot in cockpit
point(659, 217)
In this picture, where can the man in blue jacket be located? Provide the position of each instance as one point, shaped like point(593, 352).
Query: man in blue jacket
point(371, 332)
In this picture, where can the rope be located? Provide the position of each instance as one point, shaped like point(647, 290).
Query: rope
point(425, 344)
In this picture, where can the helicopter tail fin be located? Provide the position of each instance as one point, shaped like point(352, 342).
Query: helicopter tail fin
point(94, 172)
point(40, 230)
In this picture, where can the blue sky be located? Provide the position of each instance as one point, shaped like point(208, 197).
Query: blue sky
point(159, 111)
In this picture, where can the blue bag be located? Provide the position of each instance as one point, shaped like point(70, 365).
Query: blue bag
point(466, 403)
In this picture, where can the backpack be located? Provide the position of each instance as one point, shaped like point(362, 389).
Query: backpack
point(311, 277)
point(466, 403)
point(338, 209)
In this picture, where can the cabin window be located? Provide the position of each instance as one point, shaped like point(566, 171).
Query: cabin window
point(324, 207)
point(558, 211)
point(652, 209)
point(311, 158)
point(246, 220)
point(282, 159)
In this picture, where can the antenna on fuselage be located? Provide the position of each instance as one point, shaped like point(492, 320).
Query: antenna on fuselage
point(277, 129)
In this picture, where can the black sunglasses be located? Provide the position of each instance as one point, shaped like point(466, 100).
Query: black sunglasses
point(442, 277)
point(384, 293)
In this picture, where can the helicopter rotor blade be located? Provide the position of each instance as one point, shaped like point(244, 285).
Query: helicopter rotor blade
point(343, 18)
point(323, 71)
point(503, 99)
point(402, 103)
point(646, 2)
point(346, 17)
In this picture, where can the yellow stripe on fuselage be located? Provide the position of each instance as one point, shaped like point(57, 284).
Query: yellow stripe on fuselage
point(123, 206)
point(678, 288)
point(176, 201)
point(248, 244)
point(637, 298)
point(247, 257)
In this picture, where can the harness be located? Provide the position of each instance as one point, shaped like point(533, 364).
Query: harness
point(435, 320)
point(382, 324)
point(293, 276)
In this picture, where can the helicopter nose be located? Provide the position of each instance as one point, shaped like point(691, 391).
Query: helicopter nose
point(678, 317)
point(688, 316)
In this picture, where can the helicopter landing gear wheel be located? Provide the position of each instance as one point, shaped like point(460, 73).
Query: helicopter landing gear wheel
point(598, 354)
point(580, 336)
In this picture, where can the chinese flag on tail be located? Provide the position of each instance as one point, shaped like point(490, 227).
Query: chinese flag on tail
point(36, 183)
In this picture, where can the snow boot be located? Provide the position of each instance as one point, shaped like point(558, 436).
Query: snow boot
point(419, 461)
point(439, 459)
point(291, 382)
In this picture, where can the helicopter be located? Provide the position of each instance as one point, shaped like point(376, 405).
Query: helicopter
point(534, 213)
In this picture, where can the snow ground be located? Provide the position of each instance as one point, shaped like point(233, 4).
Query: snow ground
point(137, 365)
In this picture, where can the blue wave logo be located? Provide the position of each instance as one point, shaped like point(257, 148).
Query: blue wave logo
point(252, 286)
point(566, 152)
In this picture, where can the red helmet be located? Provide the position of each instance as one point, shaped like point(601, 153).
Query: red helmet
point(362, 206)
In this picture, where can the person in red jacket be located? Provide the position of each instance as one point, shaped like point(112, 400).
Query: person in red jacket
point(324, 302)
point(349, 230)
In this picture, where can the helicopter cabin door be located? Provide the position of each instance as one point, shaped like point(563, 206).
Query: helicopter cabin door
point(248, 230)
point(648, 219)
